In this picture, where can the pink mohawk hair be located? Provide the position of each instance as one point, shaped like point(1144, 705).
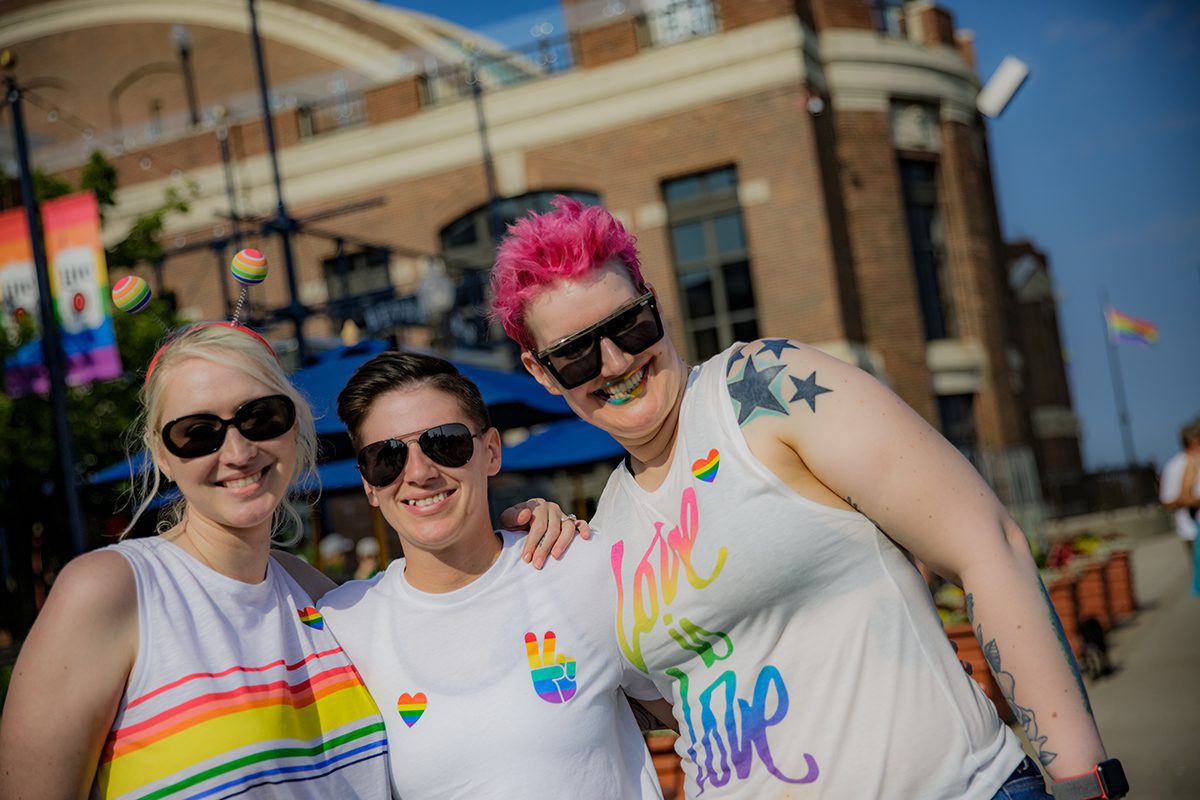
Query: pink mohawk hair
point(541, 249)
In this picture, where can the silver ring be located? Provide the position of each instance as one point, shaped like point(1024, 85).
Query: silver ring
point(572, 517)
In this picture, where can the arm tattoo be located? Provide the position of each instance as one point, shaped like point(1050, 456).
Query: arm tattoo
point(757, 392)
point(1063, 643)
point(854, 505)
point(1008, 685)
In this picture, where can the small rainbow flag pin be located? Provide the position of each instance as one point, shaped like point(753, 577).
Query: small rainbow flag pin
point(411, 707)
point(311, 617)
point(706, 468)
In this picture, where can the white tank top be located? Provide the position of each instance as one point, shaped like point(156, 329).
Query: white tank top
point(800, 647)
point(238, 690)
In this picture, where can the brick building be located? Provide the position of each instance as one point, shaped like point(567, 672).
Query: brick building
point(814, 169)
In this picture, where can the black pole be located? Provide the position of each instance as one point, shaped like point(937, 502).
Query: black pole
point(282, 224)
point(52, 351)
point(235, 221)
point(1114, 371)
point(489, 168)
point(189, 82)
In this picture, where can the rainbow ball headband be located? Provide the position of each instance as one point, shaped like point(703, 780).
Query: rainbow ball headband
point(131, 294)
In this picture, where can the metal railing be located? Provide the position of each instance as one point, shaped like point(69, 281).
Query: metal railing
point(658, 24)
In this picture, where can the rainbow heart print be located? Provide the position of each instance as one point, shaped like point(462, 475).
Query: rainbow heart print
point(411, 707)
point(706, 468)
point(311, 617)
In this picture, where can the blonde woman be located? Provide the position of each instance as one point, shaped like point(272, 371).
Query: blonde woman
point(193, 663)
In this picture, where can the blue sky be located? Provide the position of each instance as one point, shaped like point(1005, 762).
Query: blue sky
point(1096, 161)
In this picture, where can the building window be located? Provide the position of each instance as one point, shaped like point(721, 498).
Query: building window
point(956, 413)
point(888, 16)
point(712, 261)
point(469, 243)
point(669, 21)
point(918, 182)
point(355, 277)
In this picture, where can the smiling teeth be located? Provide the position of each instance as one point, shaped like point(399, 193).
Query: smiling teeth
point(241, 483)
point(624, 389)
point(427, 501)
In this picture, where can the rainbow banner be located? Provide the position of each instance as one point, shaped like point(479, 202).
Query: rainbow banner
point(79, 284)
point(1124, 328)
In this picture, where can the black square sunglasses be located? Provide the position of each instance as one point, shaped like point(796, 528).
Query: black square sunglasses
point(450, 445)
point(577, 359)
point(203, 434)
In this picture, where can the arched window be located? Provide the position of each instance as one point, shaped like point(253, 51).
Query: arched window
point(468, 243)
point(469, 250)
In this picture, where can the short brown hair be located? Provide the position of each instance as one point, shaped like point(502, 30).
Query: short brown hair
point(395, 370)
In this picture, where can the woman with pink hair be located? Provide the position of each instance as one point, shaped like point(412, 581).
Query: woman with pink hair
point(755, 584)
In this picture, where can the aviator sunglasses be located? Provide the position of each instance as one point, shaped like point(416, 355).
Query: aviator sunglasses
point(203, 434)
point(576, 359)
point(450, 445)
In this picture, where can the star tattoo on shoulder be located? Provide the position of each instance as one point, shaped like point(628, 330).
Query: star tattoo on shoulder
point(776, 347)
point(808, 390)
point(753, 391)
point(733, 359)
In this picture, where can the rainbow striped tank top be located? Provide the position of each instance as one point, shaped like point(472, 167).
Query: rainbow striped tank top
point(238, 690)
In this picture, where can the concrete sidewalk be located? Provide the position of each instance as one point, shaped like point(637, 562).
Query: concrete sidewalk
point(1149, 711)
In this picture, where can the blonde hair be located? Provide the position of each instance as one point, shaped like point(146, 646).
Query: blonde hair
point(235, 348)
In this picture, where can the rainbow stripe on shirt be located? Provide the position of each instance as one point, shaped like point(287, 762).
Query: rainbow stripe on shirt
point(217, 735)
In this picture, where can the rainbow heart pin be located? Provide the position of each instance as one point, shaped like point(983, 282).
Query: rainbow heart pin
point(311, 617)
point(706, 468)
point(411, 707)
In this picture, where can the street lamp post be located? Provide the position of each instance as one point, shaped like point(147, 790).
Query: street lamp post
point(220, 116)
point(489, 168)
point(282, 224)
point(52, 351)
point(183, 45)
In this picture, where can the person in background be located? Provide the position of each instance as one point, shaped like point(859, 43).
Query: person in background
point(334, 550)
point(367, 553)
point(470, 656)
point(194, 663)
point(1179, 492)
point(759, 531)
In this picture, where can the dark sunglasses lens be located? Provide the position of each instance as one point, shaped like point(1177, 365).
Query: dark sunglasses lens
point(266, 418)
point(636, 331)
point(579, 367)
point(382, 462)
point(193, 436)
point(450, 445)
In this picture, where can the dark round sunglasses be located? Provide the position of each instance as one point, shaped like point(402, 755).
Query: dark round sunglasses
point(450, 445)
point(577, 359)
point(203, 434)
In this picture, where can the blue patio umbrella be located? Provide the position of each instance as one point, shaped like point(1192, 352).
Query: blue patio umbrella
point(561, 444)
point(514, 399)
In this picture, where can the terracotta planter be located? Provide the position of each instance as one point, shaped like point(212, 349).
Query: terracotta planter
point(666, 764)
point(960, 633)
point(1118, 577)
point(1062, 597)
point(1091, 595)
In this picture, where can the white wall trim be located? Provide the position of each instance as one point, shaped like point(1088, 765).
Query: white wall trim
point(544, 112)
point(865, 71)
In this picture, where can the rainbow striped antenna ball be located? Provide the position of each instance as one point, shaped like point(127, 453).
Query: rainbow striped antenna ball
point(249, 267)
point(131, 294)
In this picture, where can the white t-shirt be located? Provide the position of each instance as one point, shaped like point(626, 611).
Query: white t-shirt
point(1170, 486)
point(466, 715)
point(802, 650)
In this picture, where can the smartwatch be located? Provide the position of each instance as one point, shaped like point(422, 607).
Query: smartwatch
point(1106, 780)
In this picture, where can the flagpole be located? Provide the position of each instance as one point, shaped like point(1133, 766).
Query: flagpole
point(1114, 372)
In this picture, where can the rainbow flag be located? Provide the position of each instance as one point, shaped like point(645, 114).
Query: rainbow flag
point(1124, 328)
